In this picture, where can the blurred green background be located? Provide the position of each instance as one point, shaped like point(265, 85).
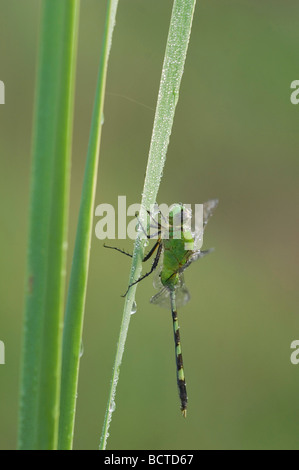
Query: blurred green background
point(235, 137)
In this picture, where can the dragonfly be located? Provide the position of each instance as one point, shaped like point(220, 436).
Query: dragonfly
point(174, 253)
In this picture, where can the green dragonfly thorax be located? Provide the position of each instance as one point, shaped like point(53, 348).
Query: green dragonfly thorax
point(177, 249)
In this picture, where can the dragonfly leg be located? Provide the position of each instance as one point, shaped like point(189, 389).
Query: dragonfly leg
point(131, 256)
point(157, 223)
point(154, 265)
point(118, 249)
point(144, 231)
point(151, 252)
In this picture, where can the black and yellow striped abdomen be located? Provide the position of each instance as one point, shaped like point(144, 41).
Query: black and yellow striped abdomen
point(179, 358)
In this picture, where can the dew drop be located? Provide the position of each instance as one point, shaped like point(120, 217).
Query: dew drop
point(134, 308)
point(112, 406)
point(81, 349)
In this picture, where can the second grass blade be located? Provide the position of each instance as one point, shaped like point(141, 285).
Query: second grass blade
point(78, 281)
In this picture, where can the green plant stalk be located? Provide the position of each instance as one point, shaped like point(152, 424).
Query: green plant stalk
point(173, 67)
point(49, 167)
point(72, 334)
point(48, 413)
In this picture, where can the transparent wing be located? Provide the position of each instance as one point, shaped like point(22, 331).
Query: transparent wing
point(162, 297)
point(200, 221)
point(182, 293)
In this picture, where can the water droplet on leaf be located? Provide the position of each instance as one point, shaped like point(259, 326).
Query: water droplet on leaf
point(81, 349)
point(134, 308)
